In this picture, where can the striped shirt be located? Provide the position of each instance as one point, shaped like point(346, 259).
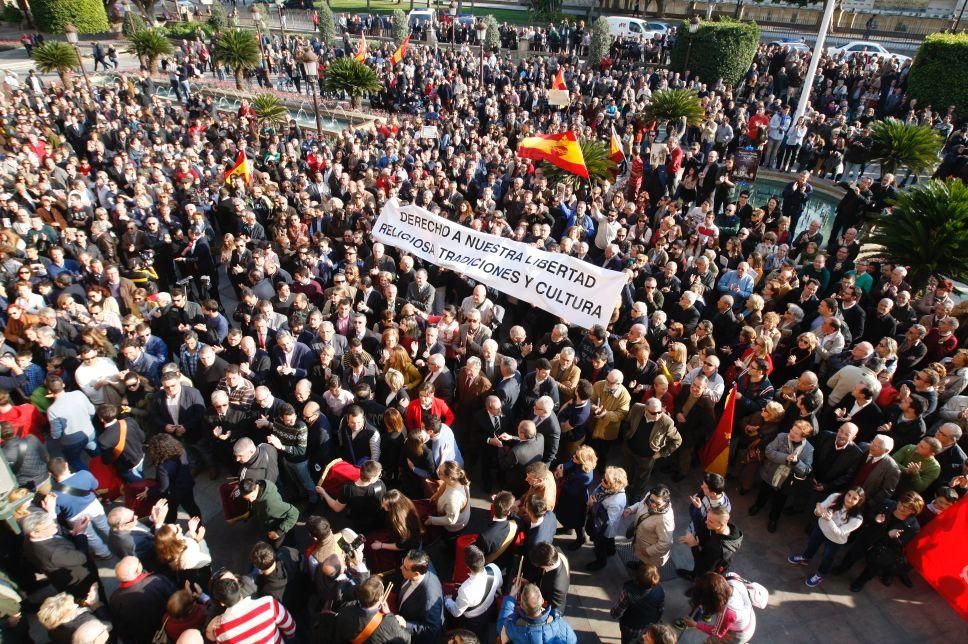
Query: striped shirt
point(256, 621)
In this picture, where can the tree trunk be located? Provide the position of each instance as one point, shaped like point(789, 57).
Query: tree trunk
point(238, 78)
point(63, 76)
point(24, 7)
point(356, 101)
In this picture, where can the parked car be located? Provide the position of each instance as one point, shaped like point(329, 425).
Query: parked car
point(857, 47)
point(796, 45)
point(421, 18)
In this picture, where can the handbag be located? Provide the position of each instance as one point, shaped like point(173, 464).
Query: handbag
point(784, 469)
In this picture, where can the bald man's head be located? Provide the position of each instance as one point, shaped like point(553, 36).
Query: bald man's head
point(128, 568)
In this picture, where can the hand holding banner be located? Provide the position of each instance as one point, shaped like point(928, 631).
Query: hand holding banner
point(570, 288)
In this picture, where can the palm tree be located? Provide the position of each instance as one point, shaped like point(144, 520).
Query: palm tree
point(269, 110)
point(673, 105)
point(55, 56)
point(600, 167)
point(347, 75)
point(897, 144)
point(148, 45)
point(927, 231)
point(239, 49)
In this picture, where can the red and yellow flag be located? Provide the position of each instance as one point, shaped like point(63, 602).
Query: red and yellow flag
point(559, 82)
point(400, 52)
point(241, 169)
point(939, 555)
point(361, 52)
point(715, 455)
point(615, 152)
point(562, 150)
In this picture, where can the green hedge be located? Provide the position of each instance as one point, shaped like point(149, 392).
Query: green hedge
point(939, 75)
point(722, 49)
point(188, 30)
point(88, 16)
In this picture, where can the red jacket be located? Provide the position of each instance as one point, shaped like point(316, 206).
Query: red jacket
point(414, 416)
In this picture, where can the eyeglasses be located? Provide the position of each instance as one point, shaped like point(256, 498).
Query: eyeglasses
point(711, 364)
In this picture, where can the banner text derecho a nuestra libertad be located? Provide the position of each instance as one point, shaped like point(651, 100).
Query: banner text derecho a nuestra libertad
point(565, 286)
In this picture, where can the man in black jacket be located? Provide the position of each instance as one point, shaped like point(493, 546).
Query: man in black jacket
point(517, 453)
point(549, 571)
point(496, 539)
point(281, 575)
point(140, 601)
point(835, 459)
point(357, 617)
point(713, 545)
point(65, 563)
point(27, 456)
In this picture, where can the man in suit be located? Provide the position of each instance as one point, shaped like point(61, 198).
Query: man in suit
point(860, 409)
point(472, 334)
point(951, 458)
point(878, 473)
point(508, 387)
point(140, 601)
point(429, 345)
point(709, 177)
point(547, 425)
point(537, 522)
point(264, 336)
point(183, 420)
point(695, 421)
point(420, 293)
point(440, 377)
point(549, 571)
point(257, 365)
point(369, 339)
point(420, 601)
point(290, 361)
point(489, 424)
point(67, 566)
point(496, 539)
point(515, 454)
point(472, 385)
point(539, 383)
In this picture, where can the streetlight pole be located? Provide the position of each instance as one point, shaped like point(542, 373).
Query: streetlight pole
point(693, 28)
point(961, 14)
point(282, 20)
point(828, 14)
point(311, 65)
point(70, 31)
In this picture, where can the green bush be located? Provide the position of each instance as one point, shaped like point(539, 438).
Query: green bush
point(88, 16)
point(400, 27)
point(327, 24)
point(11, 14)
point(132, 24)
point(218, 20)
point(939, 76)
point(722, 49)
point(601, 41)
point(188, 30)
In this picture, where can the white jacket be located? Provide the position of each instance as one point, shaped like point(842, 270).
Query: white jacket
point(839, 526)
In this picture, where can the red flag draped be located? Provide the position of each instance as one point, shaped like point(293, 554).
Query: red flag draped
point(938, 553)
point(559, 82)
point(715, 455)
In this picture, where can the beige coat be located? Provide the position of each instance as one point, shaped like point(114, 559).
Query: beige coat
point(616, 409)
point(653, 538)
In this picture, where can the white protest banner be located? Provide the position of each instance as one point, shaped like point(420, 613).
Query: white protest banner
point(567, 287)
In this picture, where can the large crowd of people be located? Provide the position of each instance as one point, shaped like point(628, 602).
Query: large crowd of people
point(167, 320)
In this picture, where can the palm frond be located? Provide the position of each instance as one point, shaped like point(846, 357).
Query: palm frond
point(239, 49)
point(55, 57)
point(674, 105)
point(600, 167)
point(896, 144)
point(149, 44)
point(346, 75)
point(269, 110)
point(926, 231)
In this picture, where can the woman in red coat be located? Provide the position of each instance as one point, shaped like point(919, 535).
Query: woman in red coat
point(427, 403)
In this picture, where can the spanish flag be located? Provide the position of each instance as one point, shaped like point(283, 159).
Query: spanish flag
point(559, 82)
point(938, 554)
point(360, 54)
point(400, 52)
point(562, 150)
point(715, 455)
point(615, 152)
point(241, 168)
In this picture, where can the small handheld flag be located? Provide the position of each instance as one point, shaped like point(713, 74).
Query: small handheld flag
point(559, 82)
point(241, 169)
point(400, 52)
point(361, 52)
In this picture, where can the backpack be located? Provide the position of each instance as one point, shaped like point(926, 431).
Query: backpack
point(759, 595)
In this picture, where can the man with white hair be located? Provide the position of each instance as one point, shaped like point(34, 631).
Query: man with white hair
point(68, 569)
point(951, 458)
point(878, 474)
point(652, 435)
point(473, 334)
point(739, 283)
point(547, 425)
point(420, 292)
point(140, 601)
point(478, 301)
point(440, 377)
point(610, 405)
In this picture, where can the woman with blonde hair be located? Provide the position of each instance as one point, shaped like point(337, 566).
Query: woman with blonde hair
point(886, 349)
point(770, 327)
point(673, 362)
point(574, 477)
point(452, 499)
point(391, 393)
point(752, 313)
point(186, 554)
point(400, 360)
point(605, 508)
point(61, 615)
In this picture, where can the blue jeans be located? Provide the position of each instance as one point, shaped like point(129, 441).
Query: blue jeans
point(73, 448)
point(300, 472)
point(830, 549)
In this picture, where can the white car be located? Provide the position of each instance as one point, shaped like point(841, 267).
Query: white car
point(856, 47)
